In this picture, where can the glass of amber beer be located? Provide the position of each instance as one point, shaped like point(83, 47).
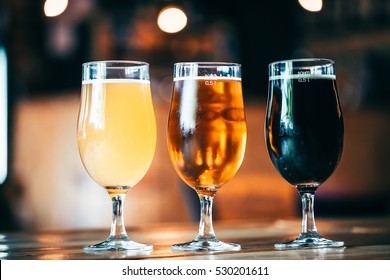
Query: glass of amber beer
point(206, 137)
point(116, 136)
point(304, 134)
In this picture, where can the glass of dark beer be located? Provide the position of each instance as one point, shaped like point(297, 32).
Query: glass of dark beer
point(304, 133)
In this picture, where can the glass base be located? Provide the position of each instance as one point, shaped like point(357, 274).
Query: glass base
point(205, 245)
point(309, 243)
point(118, 245)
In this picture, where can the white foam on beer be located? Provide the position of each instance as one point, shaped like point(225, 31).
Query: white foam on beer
point(207, 78)
point(303, 76)
point(116, 81)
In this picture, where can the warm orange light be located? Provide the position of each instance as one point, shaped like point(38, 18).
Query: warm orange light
point(311, 5)
point(171, 20)
point(53, 8)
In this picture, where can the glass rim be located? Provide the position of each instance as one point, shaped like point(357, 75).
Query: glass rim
point(114, 70)
point(207, 70)
point(326, 61)
point(121, 63)
point(208, 63)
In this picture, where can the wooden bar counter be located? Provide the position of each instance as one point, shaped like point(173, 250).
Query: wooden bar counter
point(365, 239)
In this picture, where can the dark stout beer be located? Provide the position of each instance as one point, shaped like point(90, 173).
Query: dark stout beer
point(304, 127)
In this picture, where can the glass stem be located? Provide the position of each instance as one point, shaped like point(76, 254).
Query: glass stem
point(206, 230)
point(118, 230)
point(308, 223)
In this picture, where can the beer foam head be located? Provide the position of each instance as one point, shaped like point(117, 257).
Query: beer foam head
point(302, 76)
point(115, 81)
point(207, 78)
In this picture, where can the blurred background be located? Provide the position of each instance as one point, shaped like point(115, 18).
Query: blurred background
point(44, 42)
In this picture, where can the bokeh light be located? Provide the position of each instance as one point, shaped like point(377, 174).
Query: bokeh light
point(171, 19)
point(53, 8)
point(311, 5)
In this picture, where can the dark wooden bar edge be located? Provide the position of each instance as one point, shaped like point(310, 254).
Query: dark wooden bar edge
point(365, 239)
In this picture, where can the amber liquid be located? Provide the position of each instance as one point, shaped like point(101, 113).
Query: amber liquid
point(206, 132)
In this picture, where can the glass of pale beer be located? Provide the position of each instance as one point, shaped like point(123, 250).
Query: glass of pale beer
point(206, 137)
point(116, 136)
point(304, 134)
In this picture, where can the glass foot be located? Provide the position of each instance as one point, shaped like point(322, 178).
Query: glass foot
point(205, 245)
point(309, 243)
point(118, 245)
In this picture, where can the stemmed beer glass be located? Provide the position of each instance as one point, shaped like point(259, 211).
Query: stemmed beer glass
point(206, 137)
point(116, 136)
point(304, 134)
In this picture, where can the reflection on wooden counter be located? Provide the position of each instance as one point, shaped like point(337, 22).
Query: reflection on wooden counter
point(365, 239)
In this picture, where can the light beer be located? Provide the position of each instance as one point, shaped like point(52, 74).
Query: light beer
point(116, 131)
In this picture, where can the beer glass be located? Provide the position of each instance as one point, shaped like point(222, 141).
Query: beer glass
point(116, 136)
point(304, 134)
point(206, 137)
